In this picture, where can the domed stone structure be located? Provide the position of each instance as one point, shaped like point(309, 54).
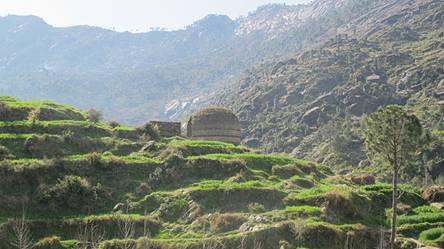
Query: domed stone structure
point(214, 123)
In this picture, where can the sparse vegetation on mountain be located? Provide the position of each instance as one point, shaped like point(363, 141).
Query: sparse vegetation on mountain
point(311, 105)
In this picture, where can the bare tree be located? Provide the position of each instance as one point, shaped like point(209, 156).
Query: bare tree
point(212, 244)
point(242, 242)
point(257, 245)
point(22, 233)
point(146, 229)
point(90, 236)
point(127, 229)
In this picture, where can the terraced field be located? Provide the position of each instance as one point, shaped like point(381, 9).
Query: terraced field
point(89, 185)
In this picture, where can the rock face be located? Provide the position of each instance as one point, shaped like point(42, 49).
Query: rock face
point(215, 123)
point(434, 194)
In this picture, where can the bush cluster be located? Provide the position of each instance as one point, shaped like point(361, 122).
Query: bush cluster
point(150, 131)
point(71, 192)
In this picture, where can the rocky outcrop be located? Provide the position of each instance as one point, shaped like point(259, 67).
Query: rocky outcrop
point(434, 194)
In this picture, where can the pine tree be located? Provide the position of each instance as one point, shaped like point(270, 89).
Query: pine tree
point(393, 137)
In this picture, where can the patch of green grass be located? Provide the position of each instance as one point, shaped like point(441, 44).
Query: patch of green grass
point(413, 230)
point(24, 161)
point(215, 184)
point(427, 209)
point(310, 210)
point(433, 236)
point(131, 159)
point(201, 143)
point(124, 128)
point(69, 244)
point(320, 190)
point(3, 220)
point(138, 159)
point(254, 161)
point(420, 218)
point(47, 123)
point(15, 136)
point(15, 103)
point(78, 127)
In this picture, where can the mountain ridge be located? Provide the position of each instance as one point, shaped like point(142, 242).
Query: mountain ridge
point(189, 63)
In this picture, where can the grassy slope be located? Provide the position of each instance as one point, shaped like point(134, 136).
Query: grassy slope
point(184, 193)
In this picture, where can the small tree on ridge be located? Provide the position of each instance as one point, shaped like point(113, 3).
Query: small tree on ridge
point(94, 115)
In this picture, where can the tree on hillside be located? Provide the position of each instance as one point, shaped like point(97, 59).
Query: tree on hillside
point(22, 233)
point(90, 236)
point(94, 115)
point(393, 137)
point(4, 110)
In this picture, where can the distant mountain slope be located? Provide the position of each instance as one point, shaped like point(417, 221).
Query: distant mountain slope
point(308, 105)
point(159, 74)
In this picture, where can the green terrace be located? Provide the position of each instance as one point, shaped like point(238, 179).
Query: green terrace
point(73, 175)
point(15, 109)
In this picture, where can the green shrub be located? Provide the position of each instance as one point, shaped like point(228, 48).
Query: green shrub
point(71, 192)
point(49, 243)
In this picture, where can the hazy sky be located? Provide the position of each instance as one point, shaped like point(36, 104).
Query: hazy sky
point(131, 15)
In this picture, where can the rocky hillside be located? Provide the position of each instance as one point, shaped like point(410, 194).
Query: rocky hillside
point(310, 105)
point(158, 74)
point(83, 184)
